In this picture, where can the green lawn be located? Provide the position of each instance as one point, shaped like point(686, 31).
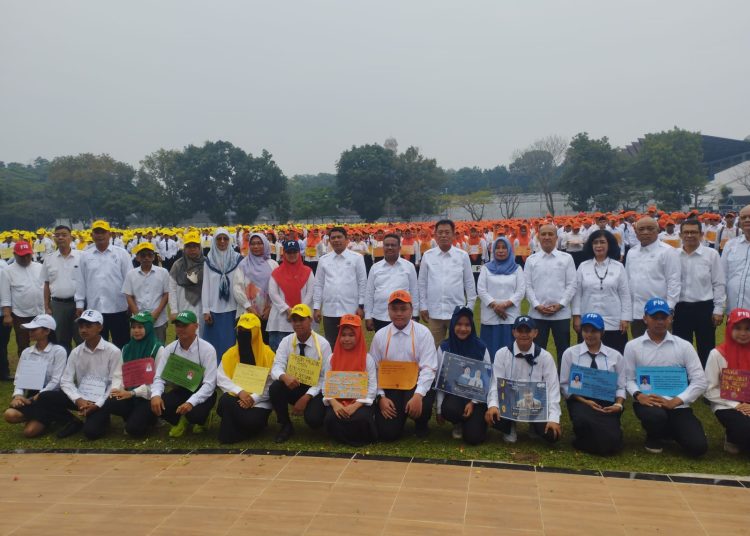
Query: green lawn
point(438, 445)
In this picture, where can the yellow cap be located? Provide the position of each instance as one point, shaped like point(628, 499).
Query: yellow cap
point(191, 238)
point(302, 310)
point(143, 246)
point(101, 224)
point(248, 321)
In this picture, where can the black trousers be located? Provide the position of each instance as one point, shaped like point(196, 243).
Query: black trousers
point(238, 423)
point(55, 406)
point(679, 424)
point(737, 426)
point(596, 432)
point(560, 333)
point(380, 324)
point(357, 430)
point(135, 412)
point(393, 429)
point(117, 328)
point(504, 425)
point(4, 341)
point(474, 428)
point(178, 396)
point(696, 319)
point(282, 397)
point(331, 329)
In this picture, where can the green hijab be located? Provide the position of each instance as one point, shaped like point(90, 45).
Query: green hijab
point(148, 346)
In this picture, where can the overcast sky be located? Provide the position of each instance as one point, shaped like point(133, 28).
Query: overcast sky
point(468, 81)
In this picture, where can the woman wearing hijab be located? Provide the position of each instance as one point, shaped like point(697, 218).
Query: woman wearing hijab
point(732, 355)
point(186, 278)
point(351, 421)
point(291, 283)
point(243, 414)
point(219, 305)
point(250, 281)
point(467, 416)
point(501, 288)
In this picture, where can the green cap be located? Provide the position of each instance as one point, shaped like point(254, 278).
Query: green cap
point(186, 317)
point(142, 317)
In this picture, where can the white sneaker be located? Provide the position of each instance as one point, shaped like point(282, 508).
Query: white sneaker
point(731, 448)
point(512, 436)
point(457, 432)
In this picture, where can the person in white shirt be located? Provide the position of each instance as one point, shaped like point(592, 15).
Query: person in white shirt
point(736, 261)
point(386, 276)
point(186, 279)
point(501, 288)
point(59, 273)
point(167, 248)
point(340, 283)
point(102, 271)
point(602, 287)
point(527, 361)
point(21, 295)
point(653, 269)
point(703, 291)
point(146, 288)
point(179, 406)
point(727, 230)
point(574, 242)
point(251, 281)
point(670, 236)
point(93, 369)
point(666, 417)
point(51, 358)
point(314, 248)
point(550, 287)
point(445, 281)
point(404, 340)
point(596, 421)
point(43, 246)
point(288, 390)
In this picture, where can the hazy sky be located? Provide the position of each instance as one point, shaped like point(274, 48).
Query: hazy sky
point(466, 81)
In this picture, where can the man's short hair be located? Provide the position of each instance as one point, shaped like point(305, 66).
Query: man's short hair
point(692, 221)
point(446, 222)
point(61, 227)
point(393, 235)
point(337, 230)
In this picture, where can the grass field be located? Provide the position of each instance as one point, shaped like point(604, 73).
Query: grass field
point(439, 444)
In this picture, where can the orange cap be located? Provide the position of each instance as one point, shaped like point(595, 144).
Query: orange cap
point(350, 320)
point(399, 295)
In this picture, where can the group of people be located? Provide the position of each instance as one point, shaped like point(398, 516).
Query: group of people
point(232, 310)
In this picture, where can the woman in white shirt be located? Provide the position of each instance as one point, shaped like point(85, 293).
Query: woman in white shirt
point(501, 287)
point(251, 280)
point(602, 287)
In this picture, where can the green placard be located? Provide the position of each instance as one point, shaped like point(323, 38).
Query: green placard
point(183, 372)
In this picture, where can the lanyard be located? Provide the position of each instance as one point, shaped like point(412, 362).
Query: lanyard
point(388, 344)
point(317, 345)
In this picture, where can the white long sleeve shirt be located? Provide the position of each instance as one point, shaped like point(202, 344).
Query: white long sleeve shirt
point(500, 288)
point(311, 350)
point(54, 356)
point(383, 279)
point(671, 352)
point(445, 281)
point(210, 300)
point(100, 278)
point(714, 365)
point(736, 261)
point(200, 352)
point(606, 359)
point(277, 319)
point(702, 278)
point(340, 283)
point(22, 289)
point(372, 381)
point(550, 279)
point(61, 273)
point(103, 366)
point(148, 289)
point(653, 271)
point(609, 298)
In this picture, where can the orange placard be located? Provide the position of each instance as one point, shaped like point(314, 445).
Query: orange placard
point(674, 242)
point(311, 251)
point(711, 236)
point(377, 252)
point(407, 251)
point(523, 251)
point(401, 375)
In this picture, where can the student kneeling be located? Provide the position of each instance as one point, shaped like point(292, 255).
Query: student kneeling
point(596, 421)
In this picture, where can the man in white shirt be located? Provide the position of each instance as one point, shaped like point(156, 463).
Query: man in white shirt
point(4, 339)
point(703, 291)
point(445, 281)
point(146, 288)
point(43, 246)
point(59, 273)
point(404, 340)
point(666, 417)
point(102, 271)
point(386, 276)
point(736, 261)
point(653, 269)
point(727, 231)
point(340, 283)
point(550, 287)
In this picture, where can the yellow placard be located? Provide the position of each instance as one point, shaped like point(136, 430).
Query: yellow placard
point(311, 251)
point(305, 369)
point(401, 375)
point(523, 251)
point(345, 384)
point(618, 237)
point(38, 248)
point(407, 251)
point(252, 379)
point(6, 253)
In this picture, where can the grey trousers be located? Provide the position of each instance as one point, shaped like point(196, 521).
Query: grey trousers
point(64, 314)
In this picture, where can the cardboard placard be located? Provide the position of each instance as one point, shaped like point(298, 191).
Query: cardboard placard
point(138, 372)
point(345, 384)
point(592, 383)
point(30, 374)
point(735, 385)
point(400, 375)
point(522, 401)
point(662, 381)
point(183, 372)
point(305, 369)
point(251, 378)
point(464, 377)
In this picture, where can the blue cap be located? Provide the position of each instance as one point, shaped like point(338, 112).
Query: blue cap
point(656, 305)
point(593, 319)
point(291, 245)
point(524, 321)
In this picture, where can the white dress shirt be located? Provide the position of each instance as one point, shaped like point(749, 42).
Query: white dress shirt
point(103, 364)
point(653, 272)
point(200, 352)
point(285, 349)
point(210, 300)
point(736, 261)
point(671, 352)
point(550, 279)
point(609, 298)
point(277, 319)
point(500, 288)
point(55, 358)
point(413, 343)
point(101, 275)
point(372, 381)
point(225, 383)
point(510, 367)
point(61, 272)
point(383, 279)
point(340, 283)
point(714, 365)
point(703, 278)
point(445, 282)
point(148, 288)
point(606, 359)
point(22, 289)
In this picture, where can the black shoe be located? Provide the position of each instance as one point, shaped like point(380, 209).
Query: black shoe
point(73, 427)
point(654, 446)
point(6, 378)
point(422, 431)
point(287, 431)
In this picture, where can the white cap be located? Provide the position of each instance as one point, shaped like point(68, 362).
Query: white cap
point(89, 315)
point(41, 321)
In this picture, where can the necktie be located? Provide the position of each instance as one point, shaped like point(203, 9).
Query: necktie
point(528, 357)
point(593, 360)
point(301, 348)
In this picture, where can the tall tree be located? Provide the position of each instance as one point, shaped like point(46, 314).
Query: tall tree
point(540, 164)
point(589, 173)
point(366, 178)
point(419, 183)
point(313, 196)
point(26, 202)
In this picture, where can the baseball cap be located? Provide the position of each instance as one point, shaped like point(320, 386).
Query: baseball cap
point(101, 224)
point(301, 310)
point(593, 319)
point(191, 238)
point(656, 305)
point(350, 320)
point(143, 246)
point(399, 295)
point(291, 245)
point(248, 321)
point(41, 321)
point(185, 317)
point(142, 317)
point(524, 321)
point(89, 315)
point(22, 248)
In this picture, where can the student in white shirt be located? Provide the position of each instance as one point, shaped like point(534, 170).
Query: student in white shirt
point(666, 417)
point(409, 341)
point(59, 273)
point(23, 406)
point(727, 231)
point(146, 288)
point(670, 236)
point(251, 281)
point(291, 283)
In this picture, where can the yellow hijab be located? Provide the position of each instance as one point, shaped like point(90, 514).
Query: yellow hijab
point(261, 351)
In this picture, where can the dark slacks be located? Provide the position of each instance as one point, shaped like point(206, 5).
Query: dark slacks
point(679, 424)
point(393, 429)
point(474, 428)
point(331, 329)
point(282, 397)
point(238, 423)
point(357, 430)
point(596, 433)
point(22, 334)
point(696, 319)
point(4, 340)
point(504, 425)
point(55, 406)
point(560, 333)
point(116, 328)
point(178, 396)
point(737, 427)
point(64, 313)
point(380, 324)
point(135, 412)
point(637, 328)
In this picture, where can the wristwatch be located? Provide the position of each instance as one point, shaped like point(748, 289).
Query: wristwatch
point(635, 395)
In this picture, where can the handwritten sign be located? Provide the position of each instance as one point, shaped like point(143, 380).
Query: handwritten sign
point(735, 385)
point(251, 378)
point(592, 383)
point(6, 253)
point(345, 385)
point(522, 401)
point(138, 372)
point(183, 372)
point(464, 377)
point(377, 252)
point(662, 381)
point(92, 388)
point(523, 251)
point(305, 369)
point(400, 375)
point(31, 374)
